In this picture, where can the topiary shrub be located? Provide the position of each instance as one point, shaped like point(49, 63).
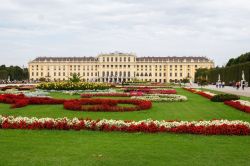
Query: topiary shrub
point(224, 97)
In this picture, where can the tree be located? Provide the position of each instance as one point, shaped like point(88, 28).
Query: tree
point(3, 75)
point(202, 81)
point(201, 73)
point(15, 73)
point(185, 80)
point(243, 58)
point(75, 78)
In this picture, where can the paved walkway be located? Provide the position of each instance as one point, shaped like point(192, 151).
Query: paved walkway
point(229, 89)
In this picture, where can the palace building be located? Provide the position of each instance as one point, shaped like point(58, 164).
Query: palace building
point(117, 67)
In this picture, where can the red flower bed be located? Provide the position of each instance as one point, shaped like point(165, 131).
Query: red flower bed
point(238, 105)
point(97, 105)
point(190, 90)
point(20, 100)
point(150, 91)
point(204, 95)
point(89, 95)
point(227, 128)
point(199, 93)
point(106, 105)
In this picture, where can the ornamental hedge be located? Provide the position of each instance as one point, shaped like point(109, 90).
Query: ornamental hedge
point(224, 97)
point(232, 73)
point(73, 86)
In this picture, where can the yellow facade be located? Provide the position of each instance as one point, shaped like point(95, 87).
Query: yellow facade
point(117, 67)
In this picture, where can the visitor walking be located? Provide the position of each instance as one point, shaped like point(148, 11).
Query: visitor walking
point(223, 84)
point(237, 85)
point(243, 85)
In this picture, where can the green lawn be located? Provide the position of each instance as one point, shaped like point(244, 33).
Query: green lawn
point(23, 147)
point(19, 147)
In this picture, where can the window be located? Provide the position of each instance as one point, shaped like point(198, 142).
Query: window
point(124, 59)
point(129, 59)
point(180, 74)
point(175, 74)
point(170, 74)
point(107, 59)
point(111, 59)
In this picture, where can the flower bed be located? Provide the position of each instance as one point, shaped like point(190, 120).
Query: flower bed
point(73, 86)
point(151, 91)
point(161, 97)
point(227, 98)
point(106, 105)
point(37, 93)
point(112, 94)
point(20, 88)
point(205, 94)
point(240, 105)
point(21, 100)
point(214, 127)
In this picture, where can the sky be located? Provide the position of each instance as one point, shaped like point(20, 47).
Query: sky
point(217, 29)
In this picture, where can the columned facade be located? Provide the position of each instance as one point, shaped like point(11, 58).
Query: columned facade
point(117, 67)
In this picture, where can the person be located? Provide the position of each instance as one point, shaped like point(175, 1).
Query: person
point(243, 85)
point(217, 84)
point(237, 85)
point(223, 84)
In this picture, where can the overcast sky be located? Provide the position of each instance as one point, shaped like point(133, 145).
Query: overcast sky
point(218, 29)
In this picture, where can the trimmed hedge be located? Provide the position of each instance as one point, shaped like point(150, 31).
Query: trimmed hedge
point(232, 73)
point(224, 97)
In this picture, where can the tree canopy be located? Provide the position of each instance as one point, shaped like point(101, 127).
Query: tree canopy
point(13, 72)
point(243, 58)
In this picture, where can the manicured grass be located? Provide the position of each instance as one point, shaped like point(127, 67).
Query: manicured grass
point(46, 147)
point(20, 147)
point(196, 108)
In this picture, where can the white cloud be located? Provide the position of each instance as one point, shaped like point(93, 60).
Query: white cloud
point(218, 29)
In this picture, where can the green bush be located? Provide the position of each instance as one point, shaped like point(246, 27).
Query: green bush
point(224, 97)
